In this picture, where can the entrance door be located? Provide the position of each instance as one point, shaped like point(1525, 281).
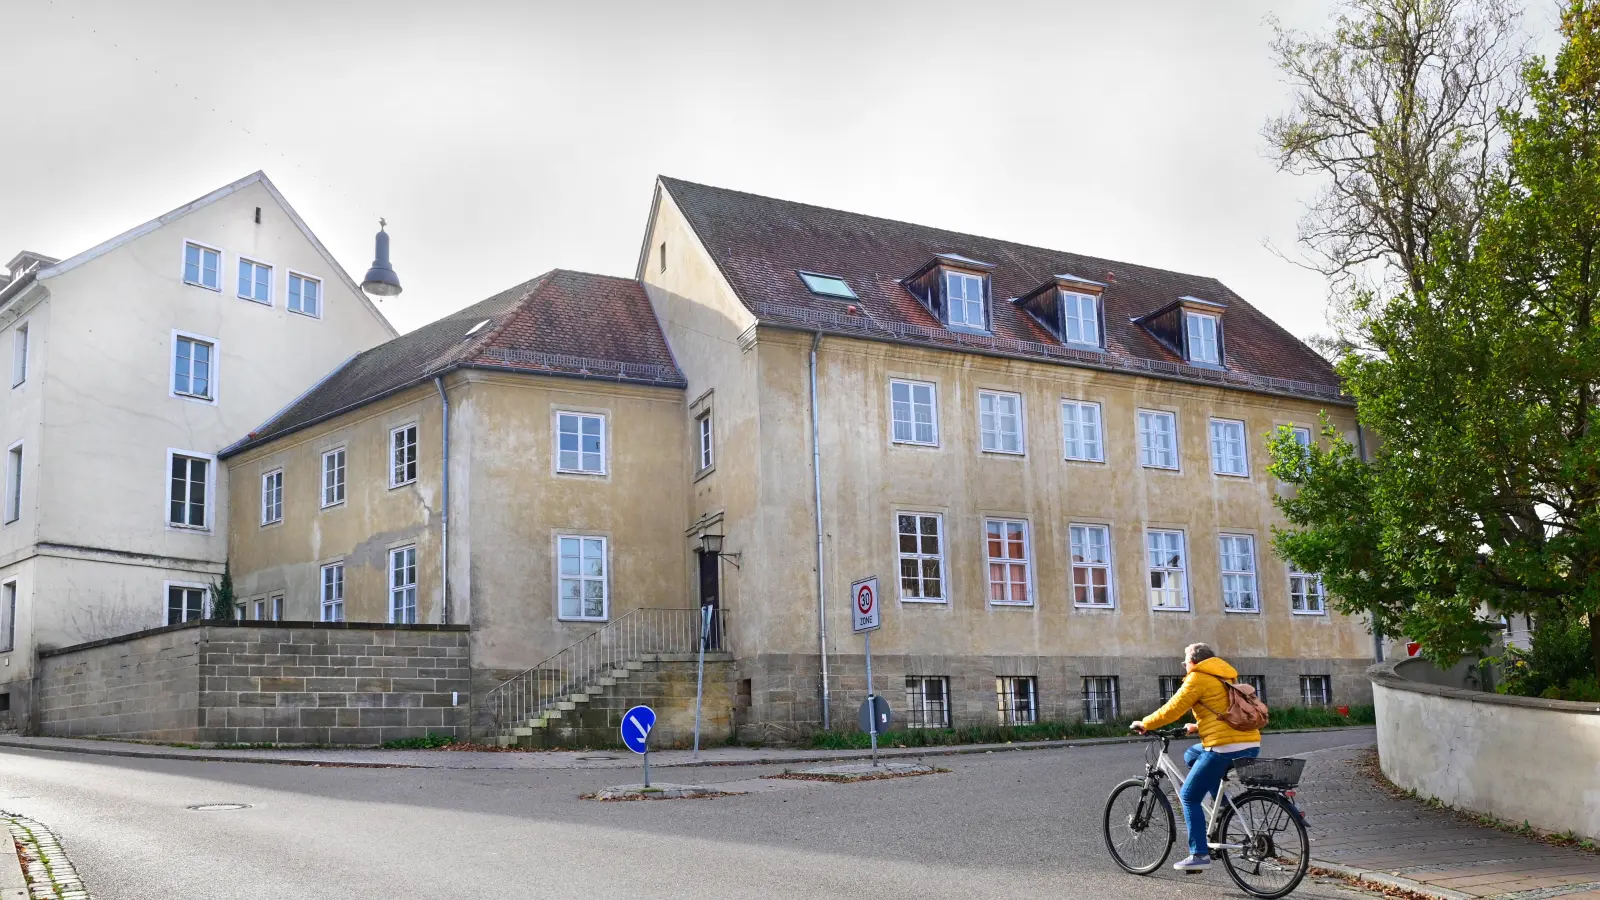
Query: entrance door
point(711, 595)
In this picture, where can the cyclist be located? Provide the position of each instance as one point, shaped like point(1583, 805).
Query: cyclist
point(1220, 744)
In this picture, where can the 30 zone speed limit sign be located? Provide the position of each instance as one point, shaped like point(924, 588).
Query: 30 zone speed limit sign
point(865, 614)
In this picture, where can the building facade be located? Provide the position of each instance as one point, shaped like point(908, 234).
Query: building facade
point(131, 365)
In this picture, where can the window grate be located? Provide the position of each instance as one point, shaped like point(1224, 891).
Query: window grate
point(1259, 682)
point(1100, 699)
point(1167, 686)
point(928, 702)
point(1315, 690)
point(1018, 699)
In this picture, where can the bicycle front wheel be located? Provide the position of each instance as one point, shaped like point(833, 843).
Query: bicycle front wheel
point(1139, 828)
point(1273, 851)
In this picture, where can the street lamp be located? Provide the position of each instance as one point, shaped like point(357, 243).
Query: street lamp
point(381, 281)
point(711, 544)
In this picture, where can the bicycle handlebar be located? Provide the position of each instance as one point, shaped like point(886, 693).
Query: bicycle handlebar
point(1171, 731)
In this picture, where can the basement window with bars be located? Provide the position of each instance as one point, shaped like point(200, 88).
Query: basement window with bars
point(1315, 690)
point(928, 702)
point(1167, 686)
point(1100, 699)
point(1259, 682)
point(1018, 699)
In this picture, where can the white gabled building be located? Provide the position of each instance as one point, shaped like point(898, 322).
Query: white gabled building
point(131, 365)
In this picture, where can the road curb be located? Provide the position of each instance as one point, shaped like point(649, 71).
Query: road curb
point(13, 885)
point(204, 757)
point(1387, 880)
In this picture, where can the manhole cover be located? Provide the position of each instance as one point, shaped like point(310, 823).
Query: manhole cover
point(595, 758)
point(217, 807)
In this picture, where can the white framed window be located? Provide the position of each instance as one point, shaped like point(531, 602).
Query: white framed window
point(1000, 422)
point(1259, 682)
point(403, 455)
point(964, 298)
point(1315, 690)
point(276, 604)
point(14, 482)
point(921, 544)
point(1101, 699)
point(1080, 319)
point(580, 443)
point(1169, 588)
point(702, 428)
point(272, 497)
point(19, 355)
point(1167, 685)
point(1158, 439)
point(188, 489)
point(185, 602)
point(202, 265)
point(1302, 437)
point(255, 281)
point(8, 616)
point(827, 285)
point(1238, 554)
point(915, 416)
point(1306, 596)
point(194, 366)
point(333, 477)
point(1091, 565)
point(1018, 699)
point(1007, 547)
point(927, 702)
point(332, 592)
point(1228, 455)
point(583, 591)
point(305, 295)
point(1202, 333)
point(259, 610)
point(403, 585)
point(1080, 431)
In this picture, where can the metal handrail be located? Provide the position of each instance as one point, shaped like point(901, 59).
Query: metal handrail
point(634, 635)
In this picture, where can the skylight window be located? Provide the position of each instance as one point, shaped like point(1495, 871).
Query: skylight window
point(827, 285)
point(477, 328)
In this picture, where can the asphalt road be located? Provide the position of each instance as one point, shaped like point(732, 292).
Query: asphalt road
point(1002, 825)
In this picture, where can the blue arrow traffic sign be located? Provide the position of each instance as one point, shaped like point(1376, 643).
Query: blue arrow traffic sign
point(636, 725)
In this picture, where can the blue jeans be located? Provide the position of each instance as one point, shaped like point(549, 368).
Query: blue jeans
point(1206, 769)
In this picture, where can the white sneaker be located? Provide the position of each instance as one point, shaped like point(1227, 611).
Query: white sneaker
point(1193, 865)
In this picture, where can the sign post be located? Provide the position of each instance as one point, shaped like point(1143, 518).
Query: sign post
point(636, 725)
point(866, 616)
point(706, 612)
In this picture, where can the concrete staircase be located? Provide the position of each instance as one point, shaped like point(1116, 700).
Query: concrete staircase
point(592, 717)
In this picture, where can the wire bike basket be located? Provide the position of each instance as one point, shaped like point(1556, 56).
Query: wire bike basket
point(1281, 774)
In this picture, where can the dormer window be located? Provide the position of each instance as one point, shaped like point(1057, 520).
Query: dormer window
point(1070, 307)
point(827, 285)
point(1080, 318)
point(965, 294)
point(1201, 331)
point(956, 290)
point(1191, 328)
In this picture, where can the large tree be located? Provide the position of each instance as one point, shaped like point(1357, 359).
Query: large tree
point(1485, 489)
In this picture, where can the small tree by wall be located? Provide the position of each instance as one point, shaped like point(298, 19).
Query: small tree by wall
point(223, 601)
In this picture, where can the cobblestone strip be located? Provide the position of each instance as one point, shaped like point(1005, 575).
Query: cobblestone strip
point(50, 874)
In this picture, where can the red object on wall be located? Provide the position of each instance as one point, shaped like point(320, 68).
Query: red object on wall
point(1343, 711)
point(1412, 647)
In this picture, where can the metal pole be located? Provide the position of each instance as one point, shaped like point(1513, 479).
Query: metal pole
point(647, 763)
point(872, 705)
point(700, 675)
point(816, 478)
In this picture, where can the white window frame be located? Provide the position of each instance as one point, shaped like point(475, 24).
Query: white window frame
point(19, 353)
point(255, 264)
point(920, 556)
point(1147, 434)
point(166, 600)
point(1259, 682)
point(343, 485)
point(984, 434)
point(275, 604)
point(1012, 709)
point(1074, 300)
point(1213, 342)
point(183, 264)
point(705, 441)
point(272, 497)
point(1310, 579)
point(8, 615)
point(172, 367)
point(395, 462)
point(1326, 699)
point(605, 426)
point(210, 489)
point(604, 577)
point(288, 295)
point(950, 303)
point(911, 408)
point(258, 607)
point(1182, 569)
point(917, 704)
point(1163, 682)
point(403, 594)
point(991, 561)
point(330, 591)
point(1243, 580)
point(1073, 565)
point(1102, 714)
point(1098, 445)
point(16, 463)
point(1310, 437)
point(1218, 432)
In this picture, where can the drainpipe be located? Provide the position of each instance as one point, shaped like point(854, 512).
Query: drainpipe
point(444, 518)
point(1361, 442)
point(816, 473)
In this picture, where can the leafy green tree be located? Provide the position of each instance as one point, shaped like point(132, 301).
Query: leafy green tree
point(223, 600)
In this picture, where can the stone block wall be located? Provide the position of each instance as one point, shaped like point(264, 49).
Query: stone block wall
point(665, 683)
point(261, 682)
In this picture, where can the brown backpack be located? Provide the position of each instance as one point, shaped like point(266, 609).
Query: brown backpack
point(1246, 711)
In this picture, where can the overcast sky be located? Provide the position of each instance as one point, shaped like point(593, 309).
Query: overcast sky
point(503, 139)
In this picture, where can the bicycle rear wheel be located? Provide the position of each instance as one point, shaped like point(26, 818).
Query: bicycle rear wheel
point(1274, 851)
point(1139, 827)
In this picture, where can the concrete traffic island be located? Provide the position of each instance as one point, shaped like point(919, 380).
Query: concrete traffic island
point(850, 773)
point(658, 791)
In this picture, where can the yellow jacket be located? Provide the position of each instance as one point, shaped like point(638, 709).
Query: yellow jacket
point(1208, 699)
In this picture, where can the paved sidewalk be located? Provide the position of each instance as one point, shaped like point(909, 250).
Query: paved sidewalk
point(1360, 827)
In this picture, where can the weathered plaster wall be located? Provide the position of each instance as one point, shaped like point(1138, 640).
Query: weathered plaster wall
point(1520, 759)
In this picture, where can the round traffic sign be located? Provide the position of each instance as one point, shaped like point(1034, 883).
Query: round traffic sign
point(865, 599)
point(636, 725)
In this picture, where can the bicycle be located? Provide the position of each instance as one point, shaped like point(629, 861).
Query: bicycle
point(1259, 834)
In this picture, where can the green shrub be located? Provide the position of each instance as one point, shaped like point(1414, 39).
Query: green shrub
point(1558, 664)
point(430, 742)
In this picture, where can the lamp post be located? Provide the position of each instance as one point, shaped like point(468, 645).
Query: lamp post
point(381, 281)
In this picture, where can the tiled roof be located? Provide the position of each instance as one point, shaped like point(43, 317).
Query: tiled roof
point(759, 243)
point(561, 323)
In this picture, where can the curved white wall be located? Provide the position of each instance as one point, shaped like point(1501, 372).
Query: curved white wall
point(1516, 758)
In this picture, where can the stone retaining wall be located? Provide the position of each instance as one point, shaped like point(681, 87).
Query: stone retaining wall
point(249, 682)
